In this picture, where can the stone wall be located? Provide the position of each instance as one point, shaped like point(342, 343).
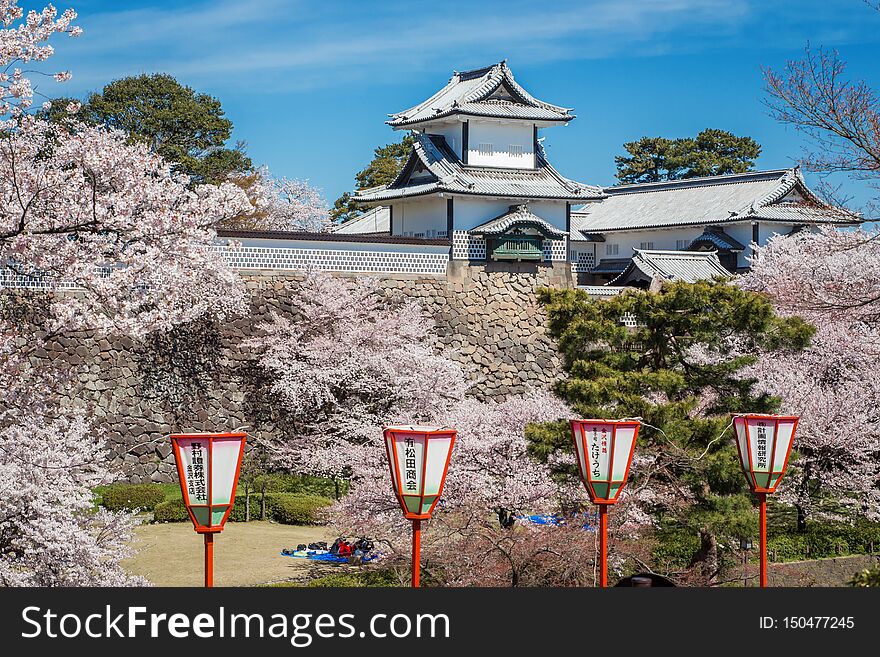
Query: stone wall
point(198, 378)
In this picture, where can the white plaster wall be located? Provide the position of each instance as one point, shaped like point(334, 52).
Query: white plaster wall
point(666, 238)
point(551, 211)
point(451, 131)
point(663, 239)
point(501, 135)
point(471, 212)
point(419, 215)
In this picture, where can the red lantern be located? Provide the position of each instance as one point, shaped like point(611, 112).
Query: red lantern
point(419, 459)
point(763, 443)
point(604, 451)
point(208, 465)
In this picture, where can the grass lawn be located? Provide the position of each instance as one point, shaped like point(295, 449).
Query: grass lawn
point(245, 554)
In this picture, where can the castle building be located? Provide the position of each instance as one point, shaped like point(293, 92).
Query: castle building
point(477, 174)
point(479, 177)
point(722, 214)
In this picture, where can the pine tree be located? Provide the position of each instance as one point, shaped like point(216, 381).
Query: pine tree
point(712, 152)
point(681, 370)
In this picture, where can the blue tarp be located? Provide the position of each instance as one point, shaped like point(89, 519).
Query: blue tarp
point(591, 520)
point(332, 558)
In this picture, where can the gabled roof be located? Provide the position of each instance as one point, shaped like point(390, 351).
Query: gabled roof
point(714, 236)
point(688, 266)
point(433, 167)
point(780, 195)
point(519, 216)
point(490, 91)
point(375, 220)
point(611, 265)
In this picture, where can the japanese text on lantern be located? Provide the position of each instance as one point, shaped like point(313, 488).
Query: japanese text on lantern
point(409, 454)
point(195, 476)
point(762, 446)
point(594, 451)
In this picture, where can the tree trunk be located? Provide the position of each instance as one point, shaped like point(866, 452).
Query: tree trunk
point(247, 503)
point(263, 501)
point(707, 557)
point(505, 518)
point(336, 484)
point(801, 518)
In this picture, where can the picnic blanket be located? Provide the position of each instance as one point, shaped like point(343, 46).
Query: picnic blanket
point(326, 556)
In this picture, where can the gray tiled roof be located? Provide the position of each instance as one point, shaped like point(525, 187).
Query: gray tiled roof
point(444, 172)
point(611, 265)
point(489, 91)
point(688, 266)
point(716, 236)
point(711, 200)
point(375, 220)
point(518, 215)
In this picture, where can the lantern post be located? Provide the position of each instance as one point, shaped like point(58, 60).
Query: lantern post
point(418, 458)
point(208, 465)
point(763, 443)
point(604, 451)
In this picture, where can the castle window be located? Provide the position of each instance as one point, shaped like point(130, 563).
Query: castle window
point(611, 249)
point(486, 149)
point(646, 245)
point(515, 150)
point(681, 245)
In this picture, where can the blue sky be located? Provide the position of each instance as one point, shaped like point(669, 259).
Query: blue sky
point(308, 84)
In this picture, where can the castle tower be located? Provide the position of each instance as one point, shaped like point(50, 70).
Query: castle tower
point(478, 175)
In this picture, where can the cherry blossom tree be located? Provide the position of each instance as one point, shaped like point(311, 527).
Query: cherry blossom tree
point(832, 279)
point(24, 42)
point(86, 210)
point(281, 204)
point(830, 276)
point(96, 235)
point(832, 387)
point(346, 360)
point(829, 279)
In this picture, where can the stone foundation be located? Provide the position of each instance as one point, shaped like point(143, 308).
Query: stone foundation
point(197, 377)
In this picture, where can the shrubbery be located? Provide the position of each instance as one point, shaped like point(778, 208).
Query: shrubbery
point(825, 539)
point(128, 497)
point(870, 577)
point(675, 548)
point(364, 578)
point(294, 509)
point(284, 508)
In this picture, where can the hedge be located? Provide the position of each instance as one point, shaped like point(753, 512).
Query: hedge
point(364, 578)
point(294, 509)
point(822, 540)
point(128, 497)
point(284, 508)
point(675, 548)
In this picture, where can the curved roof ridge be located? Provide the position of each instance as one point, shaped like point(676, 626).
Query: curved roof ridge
point(700, 181)
point(474, 87)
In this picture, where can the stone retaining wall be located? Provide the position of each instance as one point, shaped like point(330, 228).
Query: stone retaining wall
point(197, 378)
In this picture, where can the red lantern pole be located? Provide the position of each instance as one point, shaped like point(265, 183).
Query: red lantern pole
point(416, 552)
point(209, 560)
point(208, 465)
point(762, 504)
point(603, 545)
